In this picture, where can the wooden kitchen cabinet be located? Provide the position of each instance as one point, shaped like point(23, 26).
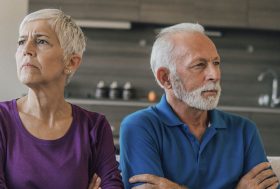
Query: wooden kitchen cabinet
point(35, 5)
point(120, 10)
point(127, 10)
point(77, 9)
point(225, 13)
point(264, 14)
point(229, 13)
point(257, 14)
point(166, 11)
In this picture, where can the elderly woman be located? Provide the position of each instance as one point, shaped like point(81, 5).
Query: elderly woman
point(46, 142)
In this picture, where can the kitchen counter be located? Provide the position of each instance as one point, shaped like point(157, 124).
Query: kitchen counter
point(108, 102)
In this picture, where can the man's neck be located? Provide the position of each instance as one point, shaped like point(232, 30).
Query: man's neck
point(197, 120)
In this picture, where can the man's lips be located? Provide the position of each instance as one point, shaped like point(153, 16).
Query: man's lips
point(210, 92)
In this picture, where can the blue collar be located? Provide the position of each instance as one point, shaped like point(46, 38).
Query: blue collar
point(169, 117)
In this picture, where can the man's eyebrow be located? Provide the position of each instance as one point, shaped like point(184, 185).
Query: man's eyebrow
point(200, 59)
point(217, 58)
point(205, 60)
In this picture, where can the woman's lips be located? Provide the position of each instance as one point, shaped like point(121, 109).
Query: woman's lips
point(28, 65)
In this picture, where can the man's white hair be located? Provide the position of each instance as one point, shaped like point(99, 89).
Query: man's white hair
point(163, 54)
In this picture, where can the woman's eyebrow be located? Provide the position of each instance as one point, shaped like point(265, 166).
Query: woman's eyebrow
point(36, 35)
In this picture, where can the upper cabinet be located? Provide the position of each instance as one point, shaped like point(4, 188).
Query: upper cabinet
point(121, 10)
point(232, 13)
point(264, 14)
point(218, 13)
point(167, 11)
point(228, 13)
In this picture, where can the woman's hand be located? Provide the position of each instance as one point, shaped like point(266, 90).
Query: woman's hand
point(95, 182)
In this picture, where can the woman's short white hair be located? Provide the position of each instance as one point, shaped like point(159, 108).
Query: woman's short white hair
point(163, 49)
point(70, 35)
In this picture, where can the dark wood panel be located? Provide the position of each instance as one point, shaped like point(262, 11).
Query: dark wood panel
point(231, 13)
point(75, 9)
point(43, 1)
point(34, 5)
point(167, 11)
point(127, 10)
point(121, 10)
point(264, 14)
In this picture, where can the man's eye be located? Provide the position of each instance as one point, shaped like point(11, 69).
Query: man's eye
point(199, 65)
point(216, 63)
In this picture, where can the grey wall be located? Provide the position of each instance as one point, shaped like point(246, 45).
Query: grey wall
point(11, 13)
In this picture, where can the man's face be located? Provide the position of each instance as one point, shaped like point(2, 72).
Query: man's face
point(196, 80)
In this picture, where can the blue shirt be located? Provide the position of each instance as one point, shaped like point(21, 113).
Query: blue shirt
point(155, 141)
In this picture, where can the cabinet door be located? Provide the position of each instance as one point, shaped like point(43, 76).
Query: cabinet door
point(127, 10)
point(35, 5)
point(229, 13)
point(115, 9)
point(264, 14)
point(76, 9)
point(167, 11)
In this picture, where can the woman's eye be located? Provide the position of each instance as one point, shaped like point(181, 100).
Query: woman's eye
point(20, 42)
point(41, 41)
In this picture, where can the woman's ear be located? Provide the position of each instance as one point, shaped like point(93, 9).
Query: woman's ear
point(73, 64)
point(164, 78)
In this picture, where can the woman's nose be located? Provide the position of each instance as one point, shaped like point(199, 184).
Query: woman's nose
point(29, 48)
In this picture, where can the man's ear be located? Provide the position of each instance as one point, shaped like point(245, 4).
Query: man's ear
point(163, 76)
point(73, 64)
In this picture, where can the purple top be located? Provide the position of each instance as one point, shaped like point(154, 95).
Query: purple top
point(68, 162)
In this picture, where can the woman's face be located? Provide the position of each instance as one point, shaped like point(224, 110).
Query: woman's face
point(39, 55)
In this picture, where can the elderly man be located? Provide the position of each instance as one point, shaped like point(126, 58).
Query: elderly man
point(183, 141)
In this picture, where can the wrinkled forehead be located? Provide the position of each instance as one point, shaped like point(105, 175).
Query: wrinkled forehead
point(37, 27)
point(43, 23)
point(191, 39)
point(194, 44)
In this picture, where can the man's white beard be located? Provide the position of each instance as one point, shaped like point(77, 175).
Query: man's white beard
point(194, 98)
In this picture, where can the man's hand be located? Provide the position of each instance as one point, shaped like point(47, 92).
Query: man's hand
point(260, 177)
point(153, 182)
point(95, 182)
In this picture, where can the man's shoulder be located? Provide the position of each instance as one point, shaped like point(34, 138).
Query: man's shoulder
point(141, 119)
point(141, 115)
point(233, 119)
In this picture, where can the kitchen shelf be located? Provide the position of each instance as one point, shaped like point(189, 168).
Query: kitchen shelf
point(108, 102)
point(250, 109)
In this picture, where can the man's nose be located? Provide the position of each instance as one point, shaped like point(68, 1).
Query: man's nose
point(29, 48)
point(213, 72)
